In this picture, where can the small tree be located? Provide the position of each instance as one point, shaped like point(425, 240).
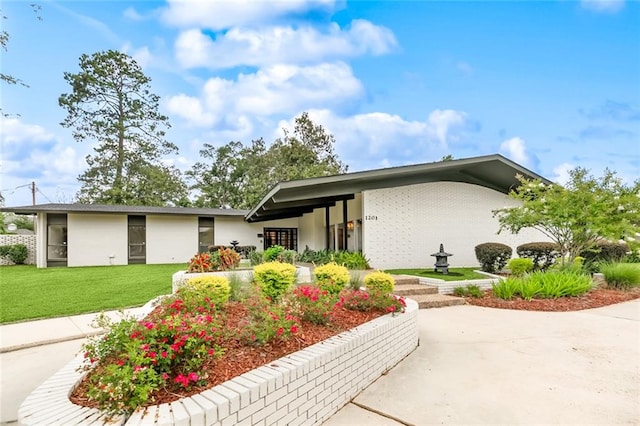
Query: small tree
point(577, 215)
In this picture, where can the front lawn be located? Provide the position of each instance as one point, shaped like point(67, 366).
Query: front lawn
point(455, 274)
point(29, 293)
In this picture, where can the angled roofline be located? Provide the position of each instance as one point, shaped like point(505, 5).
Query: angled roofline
point(115, 209)
point(411, 172)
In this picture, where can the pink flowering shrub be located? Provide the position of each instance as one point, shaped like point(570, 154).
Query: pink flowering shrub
point(314, 304)
point(267, 321)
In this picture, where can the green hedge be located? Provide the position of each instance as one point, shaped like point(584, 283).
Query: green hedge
point(17, 253)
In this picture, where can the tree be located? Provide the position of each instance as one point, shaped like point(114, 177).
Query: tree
point(238, 176)
point(577, 215)
point(111, 104)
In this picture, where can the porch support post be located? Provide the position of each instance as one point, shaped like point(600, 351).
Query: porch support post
point(327, 228)
point(344, 224)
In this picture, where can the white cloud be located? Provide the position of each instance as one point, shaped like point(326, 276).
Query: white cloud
point(603, 6)
point(515, 148)
point(13, 130)
point(132, 14)
point(279, 89)
point(273, 45)
point(141, 55)
point(222, 14)
point(378, 139)
point(441, 123)
point(561, 173)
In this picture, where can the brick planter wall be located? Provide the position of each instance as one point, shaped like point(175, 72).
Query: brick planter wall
point(303, 388)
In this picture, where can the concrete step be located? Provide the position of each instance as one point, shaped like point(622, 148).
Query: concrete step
point(405, 279)
point(414, 289)
point(427, 301)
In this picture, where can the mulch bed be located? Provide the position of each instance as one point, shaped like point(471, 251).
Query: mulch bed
point(239, 358)
point(593, 299)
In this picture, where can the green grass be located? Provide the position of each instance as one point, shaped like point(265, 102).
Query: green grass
point(29, 293)
point(455, 274)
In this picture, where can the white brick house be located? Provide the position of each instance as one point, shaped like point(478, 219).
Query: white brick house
point(396, 216)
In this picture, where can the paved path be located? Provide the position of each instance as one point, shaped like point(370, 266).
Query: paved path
point(473, 366)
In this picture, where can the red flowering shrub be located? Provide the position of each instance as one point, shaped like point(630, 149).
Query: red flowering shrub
point(314, 304)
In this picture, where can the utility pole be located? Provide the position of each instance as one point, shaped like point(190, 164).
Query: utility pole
point(33, 192)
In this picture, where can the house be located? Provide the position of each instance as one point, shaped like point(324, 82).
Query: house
point(396, 216)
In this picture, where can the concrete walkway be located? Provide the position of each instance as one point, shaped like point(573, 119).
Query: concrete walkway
point(473, 366)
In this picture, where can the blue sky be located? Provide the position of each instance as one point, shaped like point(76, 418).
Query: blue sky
point(550, 84)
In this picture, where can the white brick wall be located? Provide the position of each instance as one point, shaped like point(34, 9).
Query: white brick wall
point(304, 388)
point(27, 240)
point(403, 226)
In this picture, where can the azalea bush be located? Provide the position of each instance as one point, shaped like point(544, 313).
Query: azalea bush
point(135, 358)
point(314, 304)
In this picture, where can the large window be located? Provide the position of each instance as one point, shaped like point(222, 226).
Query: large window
point(205, 234)
point(285, 237)
point(137, 239)
point(57, 240)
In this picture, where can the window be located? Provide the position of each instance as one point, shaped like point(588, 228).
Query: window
point(57, 240)
point(205, 234)
point(285, 237)
point(137, 239)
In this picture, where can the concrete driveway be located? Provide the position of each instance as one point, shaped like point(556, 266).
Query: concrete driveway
point(490, 366)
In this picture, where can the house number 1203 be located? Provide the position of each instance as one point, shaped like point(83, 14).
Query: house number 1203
point(371, 217)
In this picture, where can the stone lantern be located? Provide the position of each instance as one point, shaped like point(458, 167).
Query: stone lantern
point(441, 264)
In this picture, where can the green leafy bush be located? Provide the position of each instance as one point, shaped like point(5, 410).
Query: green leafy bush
point(379, 282)
point(543, 254)
point(288, 256)
point(506, 289)
point(271, 254)
point(460, 291)
point(351, 260)
point(566, 283)
point(331, 277)
point(256, 258)
point(520, 266)
point(492, 256)
point(216, 288)
point(474, 291)
point(604, 251)
point(16, 253)
point(274, 278)
point(621, 275)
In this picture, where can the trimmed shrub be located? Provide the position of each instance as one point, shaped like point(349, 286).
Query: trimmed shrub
point(216, 288)
point(379, 282)
point(332, 277)
point(543, 254)
point(274, 278)
point(17, 253)
point(493, 256)
point(271, 254)
point(621, 275)
point(604, 251)
point(520, 266)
